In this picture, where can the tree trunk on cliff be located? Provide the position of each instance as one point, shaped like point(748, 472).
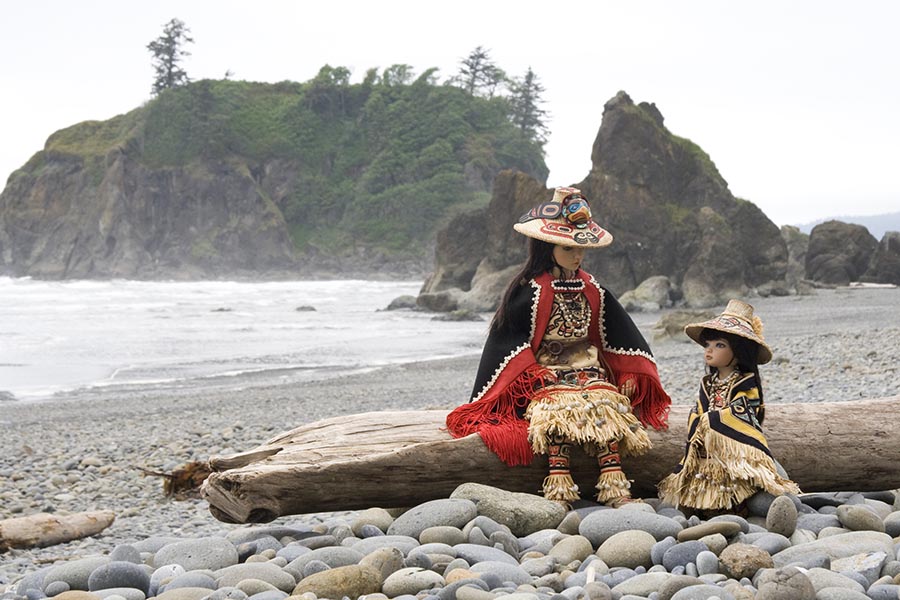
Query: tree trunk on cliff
point(403, 458)
point(42, 529)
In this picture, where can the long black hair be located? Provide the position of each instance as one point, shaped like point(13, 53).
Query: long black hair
point(540, 260)
point(745, 351)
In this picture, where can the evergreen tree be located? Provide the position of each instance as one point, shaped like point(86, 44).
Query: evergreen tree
point(477, 72)
point(494, 77)
point(168, 52)
point(525, 103)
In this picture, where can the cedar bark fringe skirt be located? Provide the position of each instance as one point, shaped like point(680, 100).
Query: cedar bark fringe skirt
point(590, 416)
point(720, 473)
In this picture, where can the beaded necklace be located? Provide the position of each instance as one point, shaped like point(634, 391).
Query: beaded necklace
point(575, 314)
point(718, 388)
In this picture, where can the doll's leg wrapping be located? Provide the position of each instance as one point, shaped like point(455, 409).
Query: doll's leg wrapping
point(559, 485)
point(612, 483)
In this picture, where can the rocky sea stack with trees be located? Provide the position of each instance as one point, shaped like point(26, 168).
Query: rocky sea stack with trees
point(229, 178)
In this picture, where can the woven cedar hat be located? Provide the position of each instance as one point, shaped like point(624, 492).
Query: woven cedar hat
point(737, 319)
point(564, 221)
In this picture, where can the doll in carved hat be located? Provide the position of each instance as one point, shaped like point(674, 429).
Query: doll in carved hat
point(727, 458)
point(564, 365)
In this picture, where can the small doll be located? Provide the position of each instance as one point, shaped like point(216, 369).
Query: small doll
point(726, 458)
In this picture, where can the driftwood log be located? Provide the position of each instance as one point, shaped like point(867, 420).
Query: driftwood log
point(43, 529)
point(404, 458)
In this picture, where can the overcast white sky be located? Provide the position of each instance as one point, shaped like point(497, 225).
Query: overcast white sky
point(795, 101)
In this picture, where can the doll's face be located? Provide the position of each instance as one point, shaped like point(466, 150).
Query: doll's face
point(718, 353)
point(568, 257)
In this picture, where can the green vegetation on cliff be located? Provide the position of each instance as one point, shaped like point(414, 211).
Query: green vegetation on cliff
point(378, 164)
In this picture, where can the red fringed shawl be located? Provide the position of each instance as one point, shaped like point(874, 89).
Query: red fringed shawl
point(509, 371)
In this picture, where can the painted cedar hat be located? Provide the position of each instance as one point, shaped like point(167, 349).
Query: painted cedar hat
point(565, 221)
point(737, 319)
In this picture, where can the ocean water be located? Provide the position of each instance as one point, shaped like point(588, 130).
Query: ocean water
point(62, 337)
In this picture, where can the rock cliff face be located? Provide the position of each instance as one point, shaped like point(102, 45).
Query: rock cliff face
point(669, 210)
point(885, 264)
point(207, 219)
point(839, 252)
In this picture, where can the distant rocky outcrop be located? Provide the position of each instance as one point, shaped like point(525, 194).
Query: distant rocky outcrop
point(202, 220)
point(839, 253)
point(653, 293)
point(669, 210)
point(885, 264)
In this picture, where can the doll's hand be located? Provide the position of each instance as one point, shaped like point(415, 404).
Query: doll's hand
point(627, 389)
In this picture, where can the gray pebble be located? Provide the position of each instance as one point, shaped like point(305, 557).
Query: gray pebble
point(884, 592)
point(867, 564)
point(456, 563)
point(314, 542)
point(473, 553)
point(119, 574)
point(772, 543)
point(503, 570)
point(859, 517)
point(418, 560)
point(476, 536)
point(75, 573)
point(292, 551)
point(781, 517)
point(448, 592)
point(826, 578)
point(892, 524)
point(682, 554)
point(659, 549)
point(56, 588)
point(120, 594)
point(702, 592)
point(836, 593)
point(314, 566)
point(161, 574)
point(509, 542)
point(707, 563)
point(405, 543)
point(260, 571)
point(601, 525)
point(442, 534)
point(191, 579)
point(335, 556)
point(269, 595)
point(787, 583)
point(202, 553)
point(817, 522)
point(367, 531)
point(759, 503)
point(455, 512)
point(227, 593)
point(125, 552)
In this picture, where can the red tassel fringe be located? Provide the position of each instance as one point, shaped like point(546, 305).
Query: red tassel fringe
point(495, 418)
point(650, 402)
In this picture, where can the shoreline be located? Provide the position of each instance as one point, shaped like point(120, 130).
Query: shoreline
point(83, 452)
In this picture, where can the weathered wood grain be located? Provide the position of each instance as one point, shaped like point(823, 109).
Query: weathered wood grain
point(43, 529)
point(403, 458)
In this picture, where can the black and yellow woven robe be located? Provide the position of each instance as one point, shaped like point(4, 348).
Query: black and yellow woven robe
point(726, 457)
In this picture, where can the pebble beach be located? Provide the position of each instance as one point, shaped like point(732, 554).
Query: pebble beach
point(89, 450)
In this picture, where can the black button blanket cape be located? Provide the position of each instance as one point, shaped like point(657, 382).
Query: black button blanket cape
point(508, 371)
